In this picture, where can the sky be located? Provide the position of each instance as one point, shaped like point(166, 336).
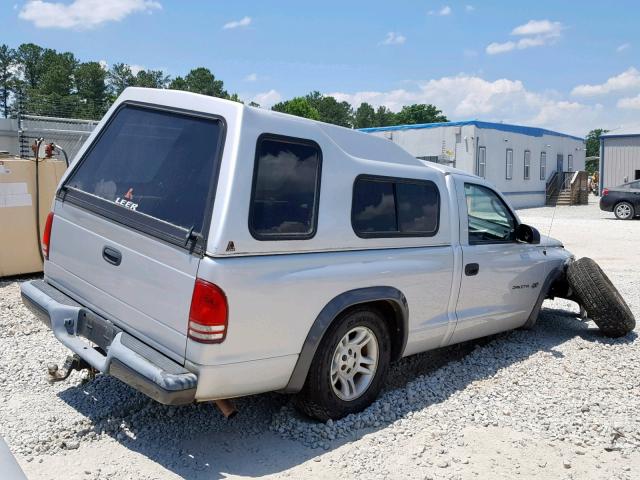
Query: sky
point(565, 65)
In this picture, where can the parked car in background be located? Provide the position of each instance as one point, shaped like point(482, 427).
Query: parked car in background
point(623, 201)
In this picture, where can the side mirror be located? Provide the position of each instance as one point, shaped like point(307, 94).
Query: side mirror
point(527, 234)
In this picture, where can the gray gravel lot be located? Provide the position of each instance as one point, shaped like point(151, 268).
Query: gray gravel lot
point(560, 401)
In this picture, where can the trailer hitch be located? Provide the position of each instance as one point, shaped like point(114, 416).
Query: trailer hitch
point(71, 363)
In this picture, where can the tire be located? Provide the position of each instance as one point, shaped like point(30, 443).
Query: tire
point(624, 211)
point(600, 298)
point(318, 397)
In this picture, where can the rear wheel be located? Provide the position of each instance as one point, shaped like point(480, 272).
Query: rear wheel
point(349, 367)
point(600, 298)
point(624, 211)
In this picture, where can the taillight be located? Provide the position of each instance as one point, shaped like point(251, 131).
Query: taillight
point(605, 192)
point(209, 313)
point(46, 236)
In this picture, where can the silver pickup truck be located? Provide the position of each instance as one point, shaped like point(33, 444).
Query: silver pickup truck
point(199, 249)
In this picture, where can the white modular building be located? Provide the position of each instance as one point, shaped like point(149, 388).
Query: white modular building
point(518, 160)
point(619, 158)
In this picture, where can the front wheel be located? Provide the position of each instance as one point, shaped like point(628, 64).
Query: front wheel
point(624, 211)
point(349, 367)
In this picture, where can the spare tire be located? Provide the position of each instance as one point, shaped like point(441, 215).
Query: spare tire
point(602, 301)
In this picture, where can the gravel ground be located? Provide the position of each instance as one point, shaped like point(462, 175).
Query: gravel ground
point(560, 401)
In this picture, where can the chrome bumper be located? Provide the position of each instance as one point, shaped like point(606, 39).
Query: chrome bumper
point(119, 354)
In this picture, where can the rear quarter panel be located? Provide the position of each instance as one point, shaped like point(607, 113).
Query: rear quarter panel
point(274, 299)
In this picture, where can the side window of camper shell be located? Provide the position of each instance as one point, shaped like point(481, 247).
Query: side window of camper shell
point(394, 207)
point(286, 188)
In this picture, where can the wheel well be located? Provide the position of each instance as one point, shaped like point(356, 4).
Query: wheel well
point(392, 315)
point(388, 301)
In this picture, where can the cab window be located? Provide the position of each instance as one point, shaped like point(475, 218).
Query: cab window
point(490, 220)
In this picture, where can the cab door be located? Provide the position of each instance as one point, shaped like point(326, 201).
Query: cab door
point(501, 277)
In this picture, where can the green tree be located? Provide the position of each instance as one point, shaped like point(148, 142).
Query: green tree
point(7, 76)
point(330, 110)
point(30, 58)
point(57, 74)
point(298, 106)
point(420, 113)
point(91, 87)
point(179, 83)
point(200, 80)
point(593, 142)
point(119, 78)
point(384, 117)
point(151, 79)
point(365, 116)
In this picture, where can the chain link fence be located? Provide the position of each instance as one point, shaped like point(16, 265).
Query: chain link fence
point(64, 121)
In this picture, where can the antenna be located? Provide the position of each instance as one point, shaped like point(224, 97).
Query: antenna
point(553, 216)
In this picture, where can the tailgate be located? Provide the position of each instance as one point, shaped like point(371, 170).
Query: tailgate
point(128, 231)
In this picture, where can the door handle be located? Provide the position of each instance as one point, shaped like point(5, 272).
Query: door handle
point(112, 256)
point(471, 269)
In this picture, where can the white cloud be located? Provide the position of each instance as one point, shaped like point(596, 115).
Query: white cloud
point(623, 47)
point(630, 103)
point(464, 97)
point(538, 27)
point(469, 8)
point(443, 12)
point(534, 33)
point(495, 48)
point(267, 99)
point(394, 38)
point(137, 68)
point(252, 77)
point(243, 22)
point(627, 80)
point(82, 14)
point(104, 65)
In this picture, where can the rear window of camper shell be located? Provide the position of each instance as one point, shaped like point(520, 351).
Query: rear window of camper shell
point(150, 164)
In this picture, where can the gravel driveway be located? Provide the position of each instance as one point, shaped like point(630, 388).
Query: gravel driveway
point(560, 401)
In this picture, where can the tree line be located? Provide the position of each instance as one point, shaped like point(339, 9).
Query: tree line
point(42, 81)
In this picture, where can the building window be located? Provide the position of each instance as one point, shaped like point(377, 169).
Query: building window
point(527, 164)
point(482, 162)
point(389, 207)
point(543, 165)
point(570, 162)
point(509, 167)
point(286, 188)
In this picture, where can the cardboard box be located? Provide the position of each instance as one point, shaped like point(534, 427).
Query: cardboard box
point(19, 242)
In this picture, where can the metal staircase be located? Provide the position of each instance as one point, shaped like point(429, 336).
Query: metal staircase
point(567, 188)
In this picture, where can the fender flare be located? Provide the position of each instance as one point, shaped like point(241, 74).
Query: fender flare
point(554, 275)
point(331, 311)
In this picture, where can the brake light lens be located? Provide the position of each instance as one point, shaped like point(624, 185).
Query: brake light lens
point(46, 236)
point(209, 313)
point(605, 192)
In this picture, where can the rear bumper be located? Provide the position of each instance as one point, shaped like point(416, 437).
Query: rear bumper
point(119, 354)
point(607, 203)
